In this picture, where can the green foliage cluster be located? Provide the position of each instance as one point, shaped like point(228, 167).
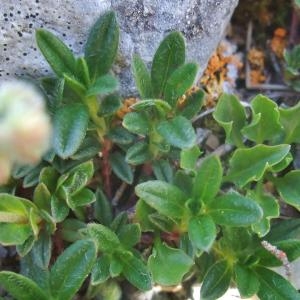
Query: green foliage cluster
point(195, 217)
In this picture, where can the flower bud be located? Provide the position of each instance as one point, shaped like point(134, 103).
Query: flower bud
point(25, 127)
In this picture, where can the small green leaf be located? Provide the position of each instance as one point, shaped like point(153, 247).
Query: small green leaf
point(149, 104)
point(115, 267)
point(142, 77)
point(178, 132)
point(21, 287)
point(208, 179)
point(246, 280)
point(70, 229)
point(192, 104)
point(49, 176)
point(42, 197)
point(59, 209)
point(57, 54)
point(167, 199)
point(82, 198)
point(70, 125)
point(231, 115)
point(42, 250)
point(71, 269)
point(289, 118)
point(14, 234)
point(129, 234)
point(136, 122)
point(100, 272)
point(74, 85)
point(135, 271)
point(143, 211)
point(216, 281)
point(168, 57)
point(179, 82)
point(270, 209)
point(163, 170)
point(89, 148)
point(163, 258)
point(274, 286)
point(109, 105)
point(82, 71)
point(24, 249)
point(233, 209)
point(202, 232)
point(120, 167)
point(102, 45)
point(189, 157)
point(250, 164)
point(287, 229)
point(102, 208)
point(121, 136)
point(106, 239)
point(138, 153)
point(289, 188)
point(265, 120)
point(103, 85)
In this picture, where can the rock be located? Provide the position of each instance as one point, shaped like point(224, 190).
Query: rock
point(143, 23)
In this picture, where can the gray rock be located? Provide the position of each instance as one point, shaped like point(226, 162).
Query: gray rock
point(143, 23)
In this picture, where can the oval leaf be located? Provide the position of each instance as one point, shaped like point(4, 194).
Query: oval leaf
point(120, 167)
point(178, 132)
point(136, 122)
point(71, 269)
point(70, 125)
point(163, 258)
point(167, 199)
point(234, 210)
point(216, 281)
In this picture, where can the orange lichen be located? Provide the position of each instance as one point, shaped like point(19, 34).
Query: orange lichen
point(256, 60)
point(217, 73)
point(126, 107)
point(279, 42)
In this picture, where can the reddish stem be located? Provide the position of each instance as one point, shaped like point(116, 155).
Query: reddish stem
point(106, 169)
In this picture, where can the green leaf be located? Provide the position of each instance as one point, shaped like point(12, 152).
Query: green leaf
point(168, 57)
point(49, 176)
point(70, 125)
point(100, 272)
point(103, 85)
point(14, 234)
point(142, 77)
point(216, 281)
point(129, 234)
point(161, 222)
point(42, 250)
point(135, 271)
point(82, 198)
point(138, 153)
point(70, 229)
point(136, 122)
point(167, 199)
point(142, 213)
point(102, 209)
point(208, 179)
point(189, 157)
point(59, 209)
point(289, 118)
point(120, 135)
point(274, 286)
point(147, 105)
point(179, 82)
point(233, 209)
point(265, 120)
point(21, 287)
point(102, 45)
point(192, 104)
point(106, 239)
point(283, 164)
point(246, 280)
point(284, 229)
point(109, 105)
point(71, 269)
point(42, 197)
point(89, 148)
point(231, 115)
point(250, 164)
point(270, 209)
point(163, 170)
point(202, 232)
point(178, 132)
point(289, 188)
point(13, 209)
point(24, 249)
point(115, 267)
point(120, 167)
point(163, 258)
point(57, 54)
point(82, 71)
point(75, 86)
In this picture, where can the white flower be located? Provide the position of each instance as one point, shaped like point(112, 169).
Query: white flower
point(25, 127)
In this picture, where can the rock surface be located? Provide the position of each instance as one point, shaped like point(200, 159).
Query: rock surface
point(143, 25)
